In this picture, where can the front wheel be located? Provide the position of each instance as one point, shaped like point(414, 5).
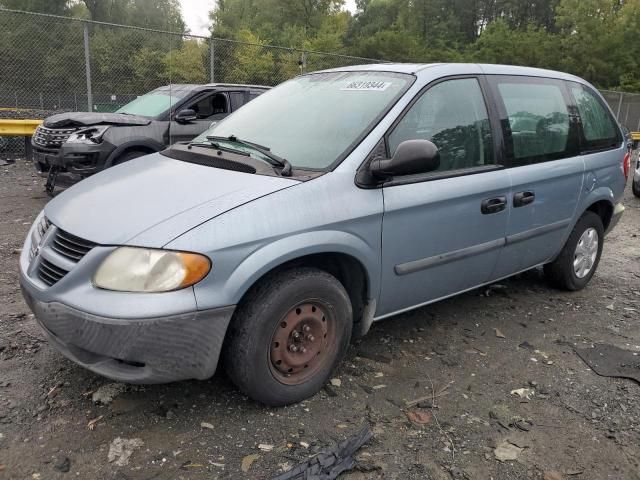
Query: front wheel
point(579, 258)
point(288, 335)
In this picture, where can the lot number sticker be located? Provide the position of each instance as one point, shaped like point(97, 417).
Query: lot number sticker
point(367, 86)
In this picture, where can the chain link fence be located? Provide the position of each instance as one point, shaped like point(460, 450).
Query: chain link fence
point(51, 64)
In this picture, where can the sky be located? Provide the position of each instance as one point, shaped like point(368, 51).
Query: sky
point(196, 14)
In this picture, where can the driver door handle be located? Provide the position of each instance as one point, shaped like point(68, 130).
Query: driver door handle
point(493, 205)
point(522, 199)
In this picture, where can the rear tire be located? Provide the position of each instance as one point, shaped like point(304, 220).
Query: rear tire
point(580, 256)
point(288, 335)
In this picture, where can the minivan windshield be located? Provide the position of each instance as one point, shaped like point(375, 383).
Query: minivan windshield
point(313, 120)
point(153, 103)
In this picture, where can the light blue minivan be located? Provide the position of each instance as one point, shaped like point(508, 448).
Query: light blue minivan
point(337, 199)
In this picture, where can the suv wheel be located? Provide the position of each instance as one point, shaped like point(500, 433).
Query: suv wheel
point(288, 335)
point(130, 155)
point(579, 258)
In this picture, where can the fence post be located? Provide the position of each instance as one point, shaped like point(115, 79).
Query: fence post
point(619, 106)
point(212, 59)
point(87, 63)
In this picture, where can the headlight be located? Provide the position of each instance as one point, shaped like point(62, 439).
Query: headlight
point(130, 269)
point(88, 136)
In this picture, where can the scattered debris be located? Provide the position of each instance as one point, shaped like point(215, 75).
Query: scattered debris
point(265, 447)
point(207, 425)
point(189, 464)
point(495, 288)
point(552, 475)
point(330, 463)
point(524, 393)
point(609, 361)
point(527, 346)
point(121, 449)
point(92, 423)
point(418, 417)
point(336, 382)
point(107, 392)
point(611, 307)
point(507, 451)
point(328, 389)
point(62, 464)
point(499, 334)
point(376, 357)
point(248, 461)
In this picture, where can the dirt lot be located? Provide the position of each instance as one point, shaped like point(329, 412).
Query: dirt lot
point(576, 424)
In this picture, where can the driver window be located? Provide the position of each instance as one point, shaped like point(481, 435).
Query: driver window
point(212, 105)
point(453, 116)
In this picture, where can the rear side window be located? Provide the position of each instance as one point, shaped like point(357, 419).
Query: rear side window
point(538, 126)
point(598, 126)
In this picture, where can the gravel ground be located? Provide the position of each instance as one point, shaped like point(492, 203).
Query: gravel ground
point(467, 353)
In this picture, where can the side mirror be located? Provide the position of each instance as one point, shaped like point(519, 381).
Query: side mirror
point(185, 116)
point(411, 157)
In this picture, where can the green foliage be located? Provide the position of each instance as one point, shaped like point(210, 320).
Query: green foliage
point(595, 39)
point(186, 65)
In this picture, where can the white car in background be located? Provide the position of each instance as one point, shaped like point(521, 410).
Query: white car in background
point(636, 179)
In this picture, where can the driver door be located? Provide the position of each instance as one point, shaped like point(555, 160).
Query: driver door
point(210, 108)
point(443, 231)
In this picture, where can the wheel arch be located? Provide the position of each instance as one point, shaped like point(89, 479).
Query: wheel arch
point(143, 145)
point(346, 257)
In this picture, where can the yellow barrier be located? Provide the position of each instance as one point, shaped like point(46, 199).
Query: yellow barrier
point(635, 136)
point(18, 128)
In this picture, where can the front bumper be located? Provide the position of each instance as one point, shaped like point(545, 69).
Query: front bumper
point(143, 350)
point(75, 161)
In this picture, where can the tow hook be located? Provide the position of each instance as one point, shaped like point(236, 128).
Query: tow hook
point(51, 179)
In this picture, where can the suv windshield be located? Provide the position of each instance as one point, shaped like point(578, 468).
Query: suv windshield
point(313, 120)
point(153, 103)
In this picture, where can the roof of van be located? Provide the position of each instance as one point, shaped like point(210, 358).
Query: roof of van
point(197, 86)
point(489, 69)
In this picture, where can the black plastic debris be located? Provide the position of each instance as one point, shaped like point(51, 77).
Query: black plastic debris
point(330, 463)
point(610, 361)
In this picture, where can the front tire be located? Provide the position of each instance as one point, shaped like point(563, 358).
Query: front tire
point(580, 256)
point(288, 335)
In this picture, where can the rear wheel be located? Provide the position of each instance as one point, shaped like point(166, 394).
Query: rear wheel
point(579, 258)
point(288, 335)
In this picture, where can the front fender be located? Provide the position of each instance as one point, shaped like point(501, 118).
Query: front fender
point(230, 290)
point(142, 143)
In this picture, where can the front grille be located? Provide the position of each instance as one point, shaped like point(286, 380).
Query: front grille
point(70, 246)
point(38, 235)
point(50, 273)
point(51, 137)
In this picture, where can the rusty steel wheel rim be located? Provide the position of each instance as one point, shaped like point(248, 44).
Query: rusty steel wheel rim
point(301, 342)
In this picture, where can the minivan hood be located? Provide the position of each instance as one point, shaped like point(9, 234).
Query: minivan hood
point(151, 200)
point(87, 119)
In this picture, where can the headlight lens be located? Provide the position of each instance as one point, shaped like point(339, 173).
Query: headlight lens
point(89, 136)
point(129, 269)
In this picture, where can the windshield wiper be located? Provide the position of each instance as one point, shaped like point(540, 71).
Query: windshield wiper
point(217, 146)
point(283, 163)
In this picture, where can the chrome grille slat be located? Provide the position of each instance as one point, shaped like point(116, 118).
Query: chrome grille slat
point(51, 137)
point(67, 251)
point(78, 242)
point(65, 245)
point(49, 273)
